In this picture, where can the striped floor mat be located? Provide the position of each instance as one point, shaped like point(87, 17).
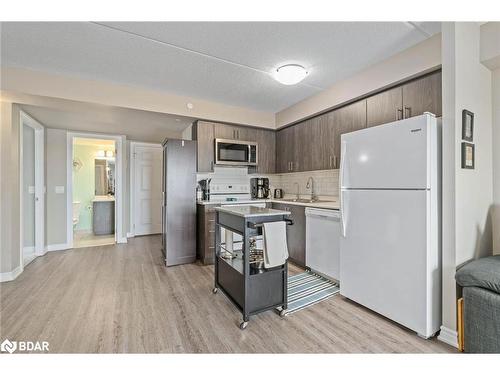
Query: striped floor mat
point(308, 288)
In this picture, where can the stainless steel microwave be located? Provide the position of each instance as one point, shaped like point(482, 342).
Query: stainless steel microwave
point(233, 152)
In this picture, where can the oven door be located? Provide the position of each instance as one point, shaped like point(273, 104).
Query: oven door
point(231, 152)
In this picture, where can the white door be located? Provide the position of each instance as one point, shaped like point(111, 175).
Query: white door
point(393, 156)
point(384, 254)
point(32, 188)
point(147, 189)
point(29, 198)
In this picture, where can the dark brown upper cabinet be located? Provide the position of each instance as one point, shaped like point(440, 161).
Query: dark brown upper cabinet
point(225, 131)
point(385, 107)
point(266, 141)
point(423, 95)
point(204, 135)
point(344, 120)
point(287, 155)
point(408, 100)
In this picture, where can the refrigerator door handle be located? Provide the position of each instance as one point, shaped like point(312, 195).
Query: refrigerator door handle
point(342, 215)
point(342, 209)
point(342, 163)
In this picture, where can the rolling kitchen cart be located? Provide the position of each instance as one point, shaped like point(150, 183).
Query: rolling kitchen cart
point(239, 272)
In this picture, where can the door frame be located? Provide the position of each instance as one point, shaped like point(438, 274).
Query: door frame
point(39, 152)
point(132, 152)
point(119, 192)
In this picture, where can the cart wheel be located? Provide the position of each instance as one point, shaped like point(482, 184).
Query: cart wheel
point(283, 313)
point(243, 325)
point(215, 290)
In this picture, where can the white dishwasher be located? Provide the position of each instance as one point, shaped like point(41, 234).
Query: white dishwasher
point(323, 241)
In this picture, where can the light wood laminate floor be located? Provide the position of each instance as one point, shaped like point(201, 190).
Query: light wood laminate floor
point(121, 298)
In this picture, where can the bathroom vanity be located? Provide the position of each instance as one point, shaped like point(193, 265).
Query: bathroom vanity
point(103, 208)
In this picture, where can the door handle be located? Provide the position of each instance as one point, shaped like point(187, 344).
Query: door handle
point(341, 178)
point(407, 113)
point(342, 213)
point(399, 114)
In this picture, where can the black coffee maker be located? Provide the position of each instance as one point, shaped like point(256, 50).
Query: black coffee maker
point(259, 187)
point(205, 188)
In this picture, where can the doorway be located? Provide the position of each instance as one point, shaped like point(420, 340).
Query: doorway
point(94, 190)
point(31, 189)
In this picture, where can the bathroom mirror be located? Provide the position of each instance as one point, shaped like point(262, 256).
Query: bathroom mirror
point(104, 176)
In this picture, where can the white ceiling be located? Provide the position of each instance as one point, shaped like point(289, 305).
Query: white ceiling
point(224, 62)
point(135, 124)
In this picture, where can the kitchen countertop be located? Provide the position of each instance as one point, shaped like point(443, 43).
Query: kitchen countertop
point(250, 211)
point(103, 198)
point(331, 204)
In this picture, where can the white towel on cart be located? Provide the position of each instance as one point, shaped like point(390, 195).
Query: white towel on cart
point(275, 246)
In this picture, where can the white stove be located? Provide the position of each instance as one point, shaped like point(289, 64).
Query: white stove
point(232, 194)
point(229, 193)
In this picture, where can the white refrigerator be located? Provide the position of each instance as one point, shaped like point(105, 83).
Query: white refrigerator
point(390, 254)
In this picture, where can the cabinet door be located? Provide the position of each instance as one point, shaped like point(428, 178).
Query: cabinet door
point(296, 235)
point(266, 140)
point(285, 150)
point(322, 140)
point(204, 135)
point(302, 146)
point(225, 131)
point(280, 150)
point(423, 95)
point(246, 133)
point(385, 107)
point(345, 120)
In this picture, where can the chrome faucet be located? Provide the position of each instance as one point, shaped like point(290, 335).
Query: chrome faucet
point(310, 185)
point(298, 193)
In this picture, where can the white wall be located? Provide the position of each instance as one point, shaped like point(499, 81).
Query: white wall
point(26, 81)
point(55, 175)
point(9, 188)
point(467, 194)
point(496, 159)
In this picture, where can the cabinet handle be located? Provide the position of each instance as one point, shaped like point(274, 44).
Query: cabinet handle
point(334, 161)
point(399, 114)
point(407, 113)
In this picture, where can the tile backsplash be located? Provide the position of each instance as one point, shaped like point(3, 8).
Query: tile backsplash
point(326, 182)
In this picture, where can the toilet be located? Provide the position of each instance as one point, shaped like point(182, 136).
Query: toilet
point(76, 212)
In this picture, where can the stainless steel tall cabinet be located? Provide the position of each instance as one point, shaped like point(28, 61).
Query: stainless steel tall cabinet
point(179, 202)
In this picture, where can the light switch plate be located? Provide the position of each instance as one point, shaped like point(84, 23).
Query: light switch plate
point(31, 189)
point(59, 189)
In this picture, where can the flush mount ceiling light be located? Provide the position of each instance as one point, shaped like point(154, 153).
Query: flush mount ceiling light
point(290, 74)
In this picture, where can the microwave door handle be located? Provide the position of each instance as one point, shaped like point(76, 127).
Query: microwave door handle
point(249, 153)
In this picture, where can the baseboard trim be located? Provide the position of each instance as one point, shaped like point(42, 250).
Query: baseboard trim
point(9, 276)
point(28, 259)
point(130, 235)
point(57, 247)
point(448, 336)
point(121, 240)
